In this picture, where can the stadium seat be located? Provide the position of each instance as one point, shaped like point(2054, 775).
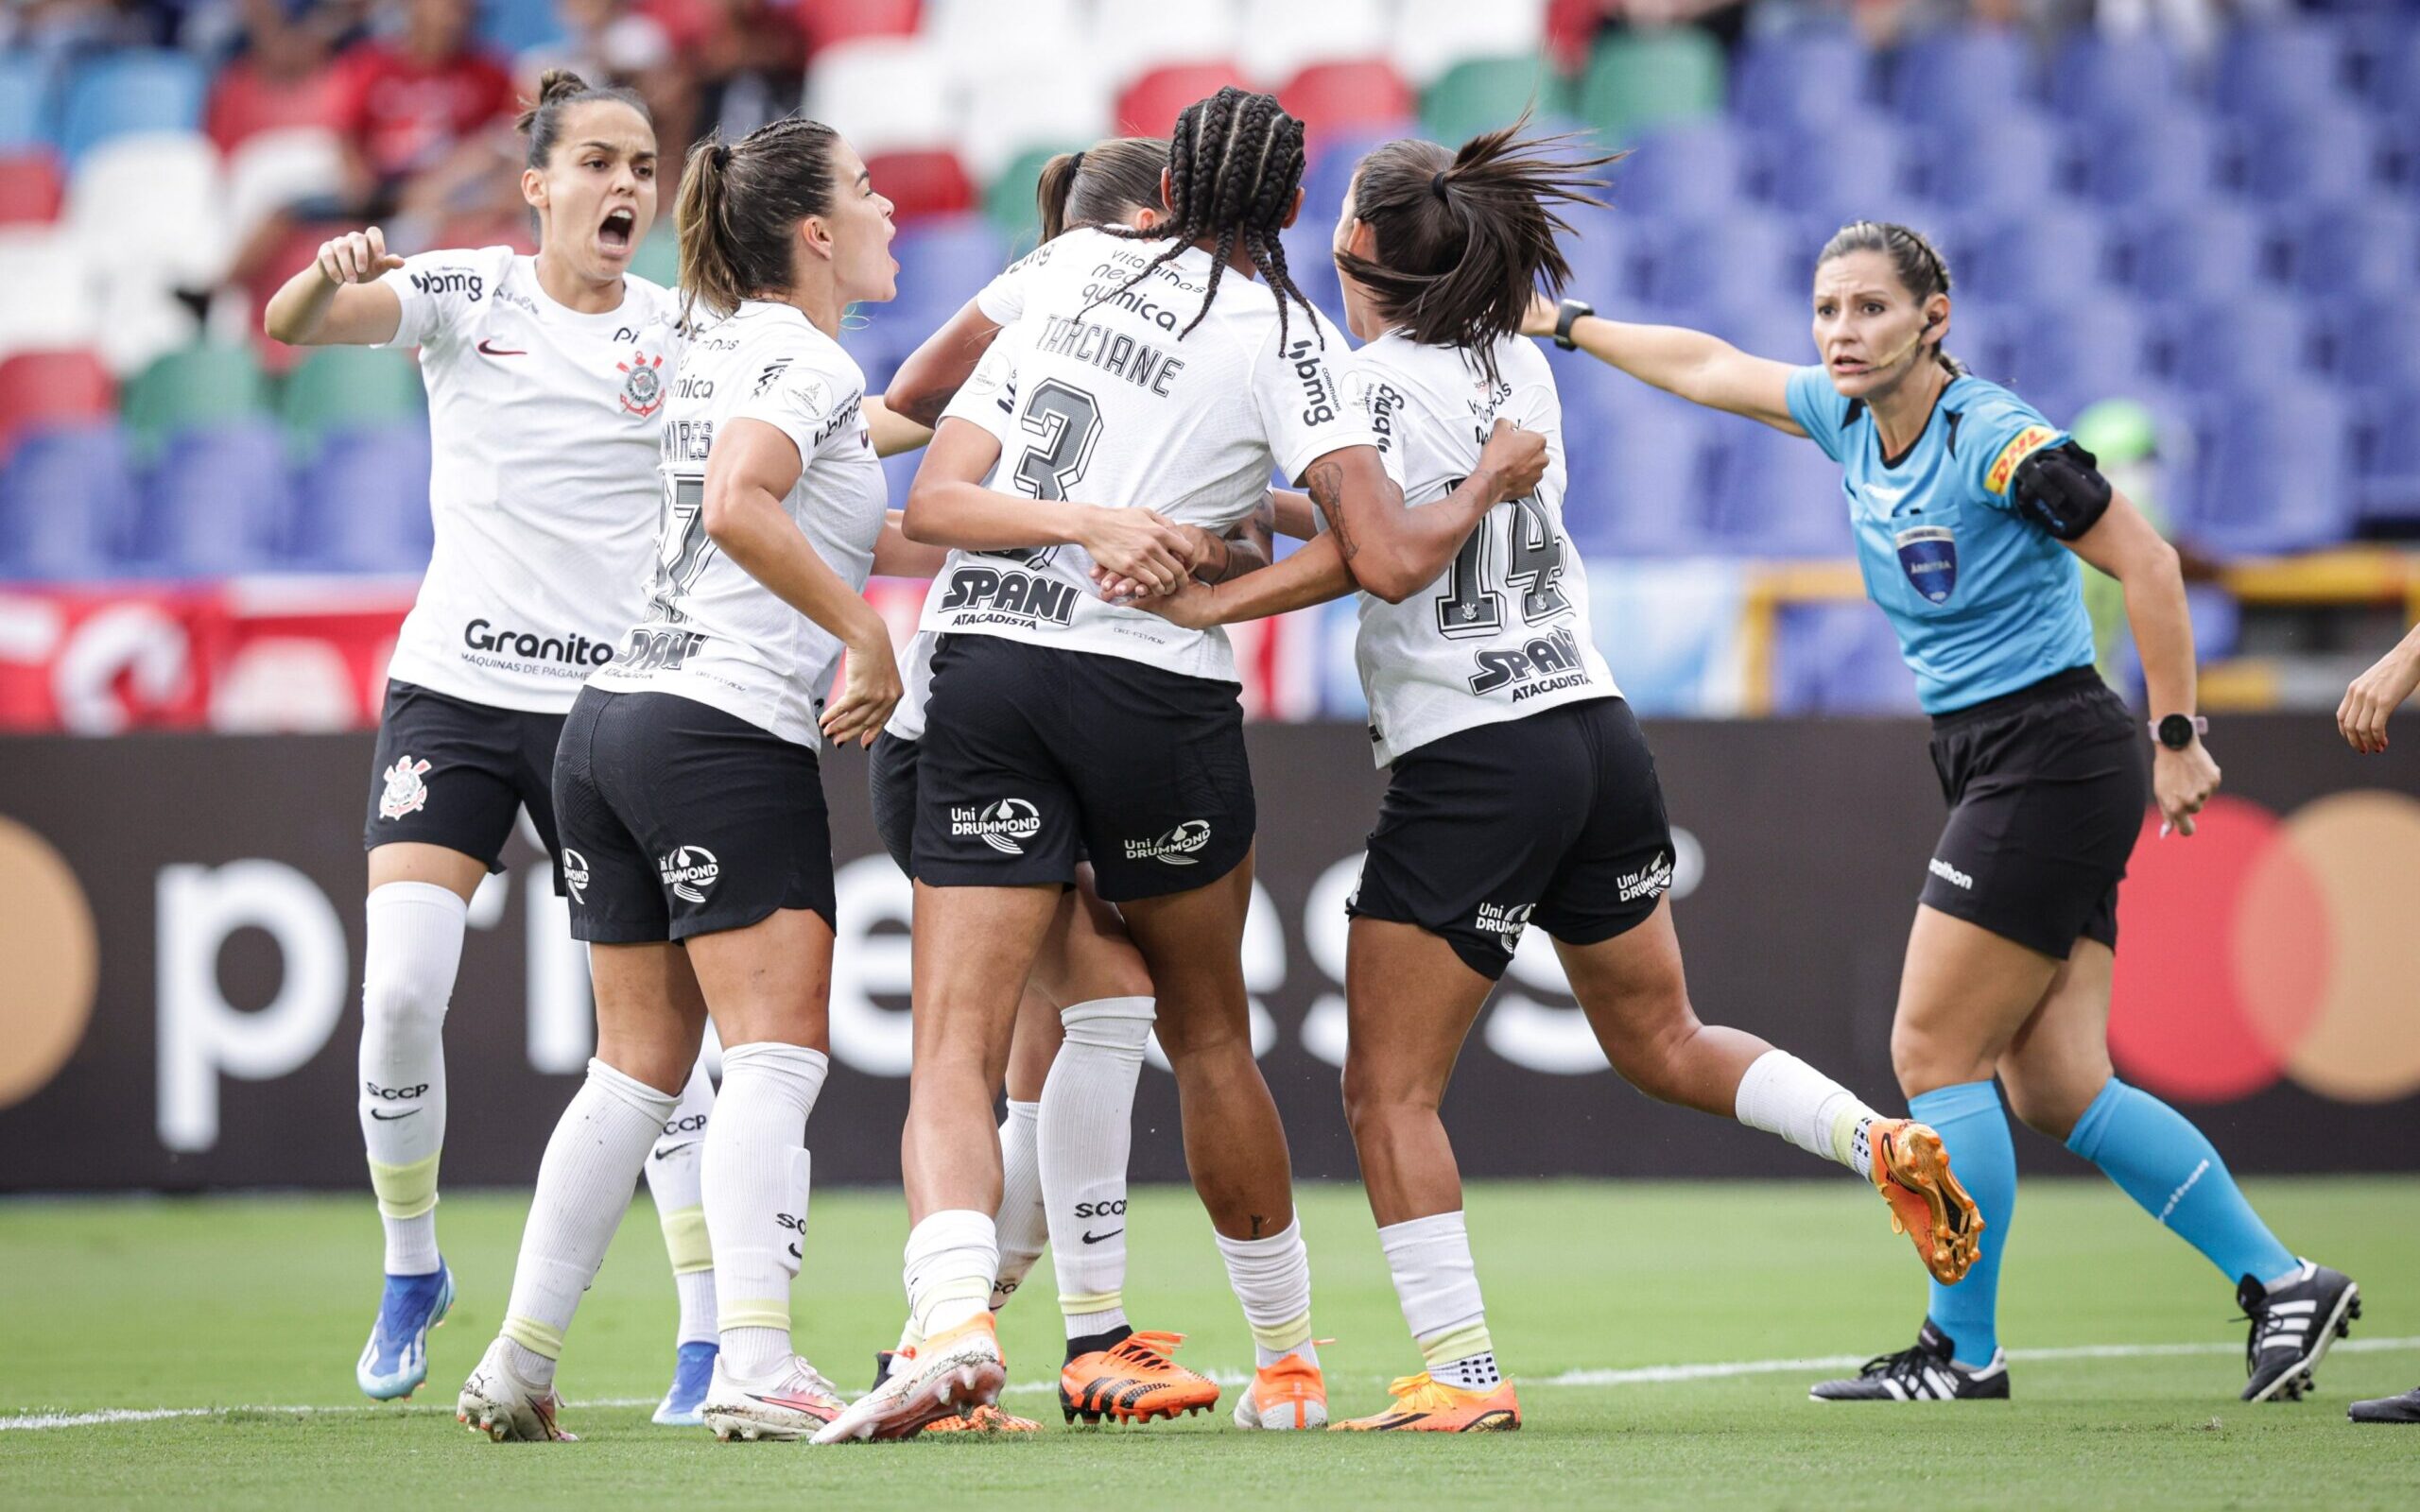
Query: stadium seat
point(1334, 98)
point(920, 184)
point(29, 189)
point(1484, 94)
point(1691, 168)
point(1639, 79)
point(1777, 495)
point(2094, 347)
point(2273, 71)
point(1007, 117)
point(275, 169)
point(2373, 344)
point(2387, 481)
point(1310, 262)
point(1838, 657)
point(207, 386)
point(658, 259)
point(826, 22)
point(2158, 163)
point(2276, 473)
point(216, 502)
point(943, 262)
point(2012, 162)
point(1009, 200)
point(2193, 253)
point(120, 94)
point(1277, 39)
point(1803, 78)
point(1150, 105)
point(1851, 167)
point(1132, 37)
point(893, 93)
point(1431, 38)
point(1773, 326)
point(974, 36)
point(1333, 160)
point(1957, 75)
point(1604, 267)
point(50, 388)
point(47, 298)
point(2395, 76)
point(2357, 250)
point(2239, 343)
point(1741, 255)
point(341, 387)
point(2317, 157)
point(361, 504)
point(1638, 465)
point(151, 205)
point(66, 498)
point(515, 27)
point(26, 100)
point(2107, 77)
point(2044, 254)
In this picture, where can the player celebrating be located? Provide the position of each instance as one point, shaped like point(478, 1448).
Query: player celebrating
point(1969, 510)
point(1521, 789)
point(686, 781)
point(1056, 719)
point(549, 371)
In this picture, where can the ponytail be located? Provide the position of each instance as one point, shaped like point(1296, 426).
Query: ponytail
point(739, 206)
point(1102, 185)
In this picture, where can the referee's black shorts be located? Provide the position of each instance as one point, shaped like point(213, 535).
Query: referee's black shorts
point(2046, 790)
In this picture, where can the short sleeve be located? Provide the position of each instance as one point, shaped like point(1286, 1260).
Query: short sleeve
point(989, 396)
point(801, 398)
point(1817, 407)
point(438, 291)
point(1299, 399)
point(1379, 405)
point(1002, 300)
point(1997, 432)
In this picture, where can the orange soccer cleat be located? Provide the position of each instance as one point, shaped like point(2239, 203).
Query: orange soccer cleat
point(1134, 1381)
point(1426, 1406)
point(1288, 1395)
point(1912, 1171)
point(984, 1419)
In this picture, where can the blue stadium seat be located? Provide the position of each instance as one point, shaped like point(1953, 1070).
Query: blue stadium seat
point(898, 472)
point(1839, 659)
point(2131, 80)
point(2012, 162)
point(2275, 475)
point(2357, 250)
point(24, 102)
point(2038, 255)
point(138, 90)
point(216, 502)
point(1330, 172)
point(944, 261)
point(66, 498)
point(1777, 495)
point(513, 26)
point(2318, 155)
point(1693, 168)
point(1310, 260)
point(1838, 171)
point(1639, 462)
point(2158, 163)
point(2373, 344)
point(1601, 253)
point(2387, 481)
point(2268, 72)
point(362, 504)
point(2242, 342)
point(1957, 75)
point(2090, 348)
point(1747, 253)
point(1774, 327)
point(2194, 253)
point(1801, 78)
point(2395, 75)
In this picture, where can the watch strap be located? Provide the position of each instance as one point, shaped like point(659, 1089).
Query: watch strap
point(1567, 313)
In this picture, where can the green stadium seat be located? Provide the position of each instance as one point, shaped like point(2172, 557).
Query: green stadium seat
point(1009, 200)
point(658, 259)
point(1482, 93)
point(1642, 78)
point(203, 384)
point(348, 388)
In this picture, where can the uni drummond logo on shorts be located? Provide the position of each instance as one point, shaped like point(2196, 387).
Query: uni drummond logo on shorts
point(1178, 848)
point(1505, 921)
point(1651, 881)
point(1005, 826)
point(576, 876)
point(1951, 874)
point(690, 871)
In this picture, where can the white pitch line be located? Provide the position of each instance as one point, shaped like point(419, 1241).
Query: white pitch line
point(1632, 1376)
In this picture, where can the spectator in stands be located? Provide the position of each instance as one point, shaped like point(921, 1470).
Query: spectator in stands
point(423, 117)
point(746, 63)
point(279, 76)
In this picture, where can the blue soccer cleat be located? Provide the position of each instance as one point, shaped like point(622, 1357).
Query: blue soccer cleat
point(685, 1401)
point(395, 1361)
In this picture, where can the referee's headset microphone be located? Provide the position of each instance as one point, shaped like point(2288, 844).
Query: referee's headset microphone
point(1910, 345)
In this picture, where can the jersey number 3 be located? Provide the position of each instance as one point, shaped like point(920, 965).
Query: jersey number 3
point(1530, 551)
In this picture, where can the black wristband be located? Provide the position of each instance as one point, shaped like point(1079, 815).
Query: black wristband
point(1567, 313)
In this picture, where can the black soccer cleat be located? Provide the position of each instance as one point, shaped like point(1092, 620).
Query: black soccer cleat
point(2403, 1409)
point(1924, 1372)
point(882, 1359)
point(2291, 1329)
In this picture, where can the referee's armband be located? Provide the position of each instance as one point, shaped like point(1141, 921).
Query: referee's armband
point(2060, 489)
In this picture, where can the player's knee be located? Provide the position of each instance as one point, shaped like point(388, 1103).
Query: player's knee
point(1925, 1060)
point(406, 1000)
point(2047, 1105)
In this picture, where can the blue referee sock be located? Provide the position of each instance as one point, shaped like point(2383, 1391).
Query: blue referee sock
point(1974, 1129)
point(2167, 1166)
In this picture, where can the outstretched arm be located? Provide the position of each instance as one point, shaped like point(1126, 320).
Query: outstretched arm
point(1701, 369)
point(338, 301)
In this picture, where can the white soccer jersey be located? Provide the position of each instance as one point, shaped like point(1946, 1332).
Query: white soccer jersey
point(544, 425)
point(711, 632)
point(1108, 407)
point(1504, 632)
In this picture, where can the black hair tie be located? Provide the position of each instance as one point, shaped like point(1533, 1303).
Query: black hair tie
point(1437, 184)
point(721, 154)
point(1074, 165)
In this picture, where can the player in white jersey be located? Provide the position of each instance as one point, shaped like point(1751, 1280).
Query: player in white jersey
point(545, 379)
point(695, 835)
point(1520, 789)
point(1057, 722)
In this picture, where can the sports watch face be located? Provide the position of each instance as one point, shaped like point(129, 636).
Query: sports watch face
point(2176, 731)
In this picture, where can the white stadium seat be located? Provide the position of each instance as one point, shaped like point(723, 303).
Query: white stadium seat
point(141, 319)
point(151, 206)
point(1431, 36)
point(975, 36)
point(48, 297)
point(1281, 38)
point(1006, 113)
point(884, 94)
point(1133, 37)
point(275, 169)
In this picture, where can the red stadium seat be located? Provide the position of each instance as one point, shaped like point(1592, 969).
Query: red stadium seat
point(825, 21)
point(921, 183)
point(1150, 105)
point(29, 189)
point(43, 388)
point(1337, 96)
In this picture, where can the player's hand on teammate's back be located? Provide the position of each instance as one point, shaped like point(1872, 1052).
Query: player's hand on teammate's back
point(2182, 781)
point(1137, 545)
point(1518, 457)
point(870, 687)
point(356, 257)
point(2373, 696)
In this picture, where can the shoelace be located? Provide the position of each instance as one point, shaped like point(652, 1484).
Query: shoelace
point(816, 1381)
point(1150, 1348)
point(1421, 1393)
point(1908, 1362)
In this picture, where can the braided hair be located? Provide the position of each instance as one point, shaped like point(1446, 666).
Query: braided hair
point(1923, 271)
point(1234, 165)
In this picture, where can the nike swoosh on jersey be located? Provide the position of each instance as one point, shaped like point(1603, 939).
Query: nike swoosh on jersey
point(489, 349)
point(1091, 1238)
point(390, 1118)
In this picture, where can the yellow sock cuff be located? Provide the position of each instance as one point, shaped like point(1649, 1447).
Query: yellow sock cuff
point(1457, 1344)
point(534, 1336)
point(1291, 1334)
point(406, 1190)
point(684, 1240)
point(752, 1313)
point(1077, 1304)
point(1844, 1127)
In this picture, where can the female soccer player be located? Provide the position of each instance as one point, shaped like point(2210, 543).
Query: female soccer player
point(2376, 693)
point(1969, 510)
point(1057, 719)
point(686, 779)
point(545, 381)
point(1521, 789)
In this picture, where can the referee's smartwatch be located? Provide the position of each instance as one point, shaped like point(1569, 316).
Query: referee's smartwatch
point(2176, 731)
point(1566, 313)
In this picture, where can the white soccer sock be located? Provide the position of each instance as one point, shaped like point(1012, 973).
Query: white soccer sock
point(952, 1257)
point(673, 1173)
point(1087, 1132)
point(585, 1186)
point(1020, 1222)
point(1438, 1285)
point(1272, 1279)
point(1784, 1095)
point(414, 946)
point(754, 1184)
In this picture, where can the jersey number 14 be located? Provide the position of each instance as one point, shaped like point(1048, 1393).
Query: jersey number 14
point(1518, 547)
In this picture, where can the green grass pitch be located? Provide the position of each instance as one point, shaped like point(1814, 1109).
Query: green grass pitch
point(257, 1306)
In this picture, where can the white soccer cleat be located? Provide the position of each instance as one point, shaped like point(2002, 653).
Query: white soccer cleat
point(950, 1373)
point(789, 1403)
point(500, 1404)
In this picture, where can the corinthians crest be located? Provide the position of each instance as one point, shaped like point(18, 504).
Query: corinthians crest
point(642, 384)
point(405, 793)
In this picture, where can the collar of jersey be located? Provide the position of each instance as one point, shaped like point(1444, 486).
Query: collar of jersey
point(553, 309)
